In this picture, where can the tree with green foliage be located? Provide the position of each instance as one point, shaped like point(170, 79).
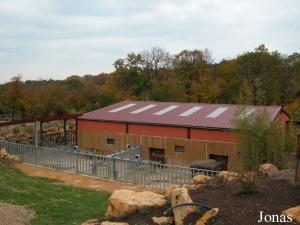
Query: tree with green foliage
point(261, 140)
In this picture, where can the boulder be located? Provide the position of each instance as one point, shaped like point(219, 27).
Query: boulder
point(209, 164)
point(92, 222)
point(294, 213)
point(170, 188)
point(201, 179)
point(178, 196)
point(3, 153)
point(207, 216)
point(163, 220)
point(192, 186)
point(113, 223)
point(7, 159)
point(267, 169)
point(228, 176)
point(122, 202)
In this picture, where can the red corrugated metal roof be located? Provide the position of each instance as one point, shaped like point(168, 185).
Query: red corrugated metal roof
point(165, 113)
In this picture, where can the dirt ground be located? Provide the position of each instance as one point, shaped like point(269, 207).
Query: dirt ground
point(274, 195)
point(14, 214)
point(78, 180)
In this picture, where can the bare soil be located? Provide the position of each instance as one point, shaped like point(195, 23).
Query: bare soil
point(78, 180)
point(274, 195)
point(14, 214)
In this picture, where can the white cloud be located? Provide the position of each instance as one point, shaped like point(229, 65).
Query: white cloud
point(52, 38)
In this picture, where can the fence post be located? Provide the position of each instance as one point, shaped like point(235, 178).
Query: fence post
point(114, 169)
point(76, 155)
point(94, 165)
point(35, 155)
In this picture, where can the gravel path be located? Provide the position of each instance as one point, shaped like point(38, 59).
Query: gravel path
point(14, 214)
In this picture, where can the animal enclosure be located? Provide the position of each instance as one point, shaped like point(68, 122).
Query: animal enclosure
point(121, 166)
point(177, 151)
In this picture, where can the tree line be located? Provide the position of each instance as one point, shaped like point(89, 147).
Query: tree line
point(259, 77)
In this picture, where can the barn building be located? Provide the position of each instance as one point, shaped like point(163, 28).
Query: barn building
point(172, 132)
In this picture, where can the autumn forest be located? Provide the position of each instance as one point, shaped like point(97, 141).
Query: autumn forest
point(260, 77)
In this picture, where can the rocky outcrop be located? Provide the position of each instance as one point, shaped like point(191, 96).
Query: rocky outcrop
point(113, 223)
point(201, 179)
point(227, 176)
point(170, 188)
point(294, 213)
point(178, 196)
point(8, 159)
point(122, 202)
point(92, 222)
point(207, 216)
point(97, 222)
point(163, 220)
point(268, 169)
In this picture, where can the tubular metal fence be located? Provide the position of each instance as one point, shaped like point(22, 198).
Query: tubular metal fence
point(123, 166)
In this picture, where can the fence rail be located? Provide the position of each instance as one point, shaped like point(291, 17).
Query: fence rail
point(122, 166)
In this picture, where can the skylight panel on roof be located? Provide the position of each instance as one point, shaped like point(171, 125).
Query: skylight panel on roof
point(122, 108)
point(143, 109)
point(217, 112)
point(246, 113)
point(191, 111)
point(165, 110)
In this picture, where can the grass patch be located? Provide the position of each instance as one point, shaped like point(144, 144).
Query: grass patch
point(54, 202)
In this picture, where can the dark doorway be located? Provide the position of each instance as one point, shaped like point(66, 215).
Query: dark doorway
point(157, 154)
point(222, 159)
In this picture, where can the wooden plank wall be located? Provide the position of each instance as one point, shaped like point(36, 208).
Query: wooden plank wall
point(194, 149)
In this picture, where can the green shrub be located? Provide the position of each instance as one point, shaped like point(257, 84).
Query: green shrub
point(143, 211)
point(246, 186)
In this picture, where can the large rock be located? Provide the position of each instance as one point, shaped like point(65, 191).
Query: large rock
point(294, 213)
point(227, 176)
point(3, 153)
point(178, 196)
point(92, 222)
point(201, 179)
point(113, 223)
point(191, 187)
point(7, 159)
point(268, 169)
point(122, 202)
point(170, 188)
point(209, 164)
point(163, 220)
point(207, 216)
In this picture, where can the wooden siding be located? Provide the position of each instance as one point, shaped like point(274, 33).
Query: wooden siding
point(194, 149)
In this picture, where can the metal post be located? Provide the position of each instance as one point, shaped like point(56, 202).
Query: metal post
point(65, 132)
point(75, 151)
point(35, 155)
point(36, 134)
point(41, 133)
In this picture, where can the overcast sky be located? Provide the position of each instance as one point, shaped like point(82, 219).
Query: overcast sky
point(57, 38)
